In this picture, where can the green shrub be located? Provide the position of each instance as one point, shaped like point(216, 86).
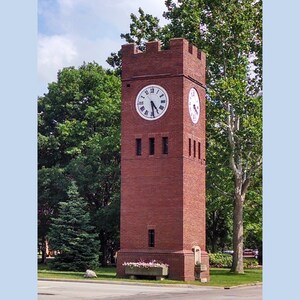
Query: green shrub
point(250, 263)
point(220, 260)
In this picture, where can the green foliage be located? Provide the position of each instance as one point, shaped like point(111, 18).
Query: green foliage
point(253, 214)
point(81, 108)
point(73, 236)
point(51, 190)
point(142, 29)
point(230, 33)
point(220, 260)
point(79, 134)
point(250, 263)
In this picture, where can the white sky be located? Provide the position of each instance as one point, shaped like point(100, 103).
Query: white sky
point(73, 31)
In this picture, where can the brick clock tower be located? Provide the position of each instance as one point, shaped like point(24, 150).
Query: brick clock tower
point(163, 158)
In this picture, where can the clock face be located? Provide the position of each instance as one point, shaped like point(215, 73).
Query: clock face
point(152, 102)
point(194, 105)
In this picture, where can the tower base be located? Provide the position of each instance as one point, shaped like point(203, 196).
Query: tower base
point(181, 263)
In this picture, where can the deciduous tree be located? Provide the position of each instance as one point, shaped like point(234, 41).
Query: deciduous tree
point(79, 134)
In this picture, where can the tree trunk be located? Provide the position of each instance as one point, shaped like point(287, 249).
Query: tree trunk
point(214, 234)
point(44, 250)
point(238, 235)
point(213, 243)
point(103, 248)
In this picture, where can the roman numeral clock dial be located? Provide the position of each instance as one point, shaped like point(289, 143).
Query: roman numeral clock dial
point(194, 105)
point(152, 102)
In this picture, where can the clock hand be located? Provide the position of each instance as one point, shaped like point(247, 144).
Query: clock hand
point(152, 106)
point(155, 106)
point(194, 106)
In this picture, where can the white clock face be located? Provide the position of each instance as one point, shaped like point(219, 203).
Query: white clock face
point(194, 105)
point(152, 102)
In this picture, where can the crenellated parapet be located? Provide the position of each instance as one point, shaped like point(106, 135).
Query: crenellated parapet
point(179, 59)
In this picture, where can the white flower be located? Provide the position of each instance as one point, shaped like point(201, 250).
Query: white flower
point(142, 264)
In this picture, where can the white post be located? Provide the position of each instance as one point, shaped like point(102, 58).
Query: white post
point(197, 254)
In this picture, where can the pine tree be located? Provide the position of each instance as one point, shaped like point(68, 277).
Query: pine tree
point(72, 235)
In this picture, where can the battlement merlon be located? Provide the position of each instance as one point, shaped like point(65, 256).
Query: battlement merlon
point(179, 59)
point(155, 46)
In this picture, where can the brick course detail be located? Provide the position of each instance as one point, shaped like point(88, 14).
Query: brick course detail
point(164, 192)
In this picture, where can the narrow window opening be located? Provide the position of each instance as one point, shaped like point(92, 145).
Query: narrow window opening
point(138, 143)
point(151, 146)
point(199, 150)
point(190, 147)
point(165, 145)
point(194, 148)
point(151, 237)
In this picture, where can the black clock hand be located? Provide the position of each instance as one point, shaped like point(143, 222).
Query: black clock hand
point(194, 106)
point(152, 106)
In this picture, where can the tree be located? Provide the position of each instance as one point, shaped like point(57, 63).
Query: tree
point(51, 190)
point(142, 29)
point(79, 134)
point(98, 174)
point(230, 32)
point(73, 236)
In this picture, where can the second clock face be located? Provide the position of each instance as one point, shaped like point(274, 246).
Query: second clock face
point(152, 102)
point(194, 105)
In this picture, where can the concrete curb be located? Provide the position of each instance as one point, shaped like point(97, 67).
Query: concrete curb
point(127, 283)
point(242, 285)
point(192, 286)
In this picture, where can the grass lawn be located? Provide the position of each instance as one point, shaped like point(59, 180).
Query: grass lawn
point(218, 276)
point(222, 277)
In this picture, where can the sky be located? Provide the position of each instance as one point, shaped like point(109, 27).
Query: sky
point(71, 32)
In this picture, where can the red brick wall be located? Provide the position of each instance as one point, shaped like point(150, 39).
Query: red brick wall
point(194, 172)
point(165, 192)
